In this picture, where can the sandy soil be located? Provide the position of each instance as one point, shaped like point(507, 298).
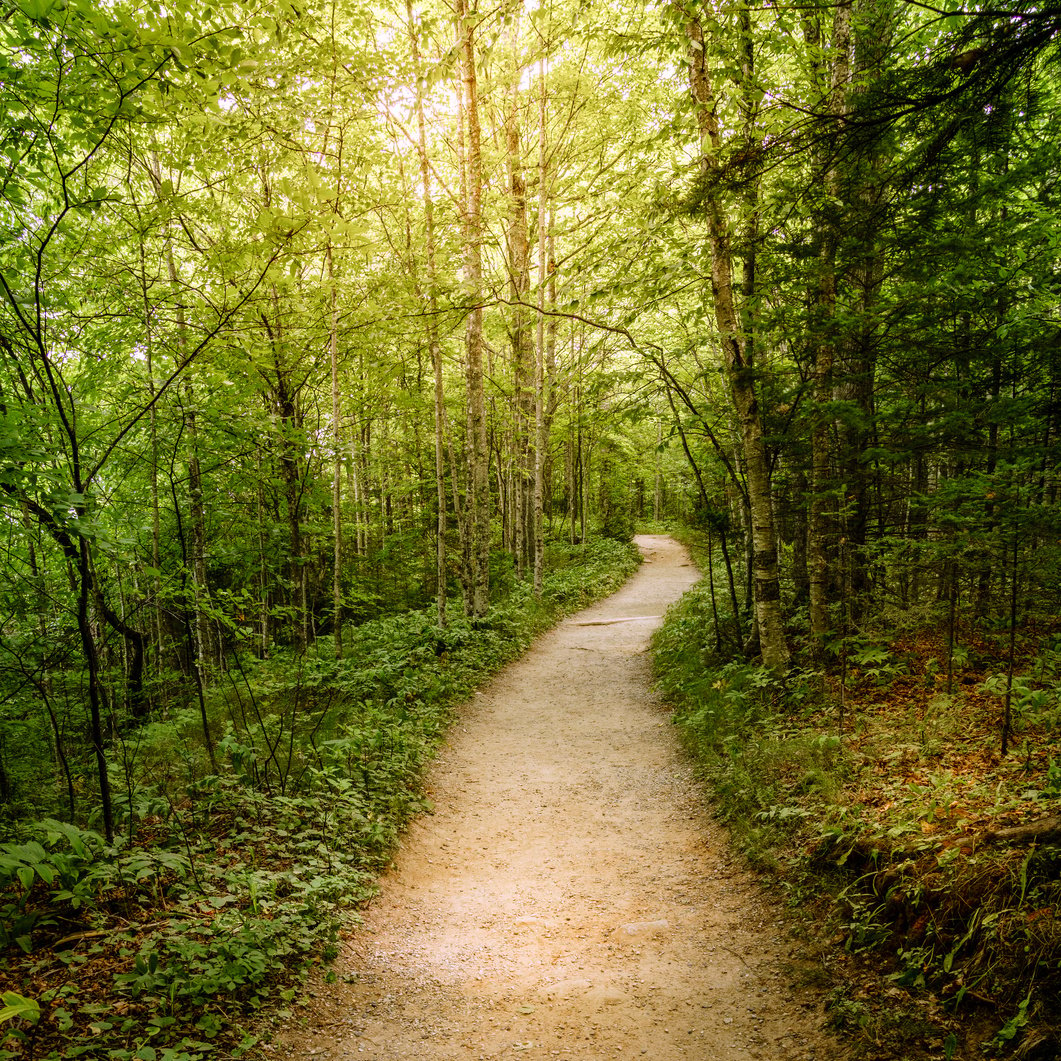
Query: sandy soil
point(570, 897)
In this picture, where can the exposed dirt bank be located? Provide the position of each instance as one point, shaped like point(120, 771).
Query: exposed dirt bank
point(570, 897)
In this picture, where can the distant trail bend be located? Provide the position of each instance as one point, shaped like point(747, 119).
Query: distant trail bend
point(569, 898)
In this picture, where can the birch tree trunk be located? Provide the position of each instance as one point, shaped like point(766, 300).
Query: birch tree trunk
point(739, 368)
point(478, 453)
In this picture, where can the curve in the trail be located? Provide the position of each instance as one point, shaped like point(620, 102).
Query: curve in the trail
point(569, 898)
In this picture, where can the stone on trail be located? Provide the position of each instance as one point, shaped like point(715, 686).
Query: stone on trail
point(639, 931)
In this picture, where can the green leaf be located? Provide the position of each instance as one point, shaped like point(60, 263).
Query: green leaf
point(46, 872)
point(37, 9)
point(18, 1007)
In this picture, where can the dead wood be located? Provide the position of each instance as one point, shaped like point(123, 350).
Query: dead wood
point(1041, 829)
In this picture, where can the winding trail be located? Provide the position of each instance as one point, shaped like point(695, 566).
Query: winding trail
point(569, 898)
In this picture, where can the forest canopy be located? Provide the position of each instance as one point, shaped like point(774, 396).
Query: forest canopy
point(312, 314)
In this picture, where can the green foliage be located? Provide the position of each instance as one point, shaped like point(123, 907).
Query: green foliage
point(168, 314)
point(223, 886)
point(769, 775)
point(615, 503)
point(17, 1011)
point(62, 863)
point(880, 829)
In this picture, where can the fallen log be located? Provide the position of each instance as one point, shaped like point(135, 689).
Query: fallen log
point(1042, 829)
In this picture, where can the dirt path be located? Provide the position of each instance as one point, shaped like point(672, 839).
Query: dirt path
point(569, 898)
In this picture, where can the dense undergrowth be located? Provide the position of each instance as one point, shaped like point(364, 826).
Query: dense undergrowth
point(228, 877)
point(877, 797)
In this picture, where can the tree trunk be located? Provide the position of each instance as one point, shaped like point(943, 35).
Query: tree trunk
point(197, 514)
point(478, 455)
point(657, 484)
point(517, 237)
point(96, 700)
point(739, 370)
point(432, 327)
point(152, 427)
point(264, 581)
point(541, 352)
point(821, 531)
point(337, 462)
point(869, 31)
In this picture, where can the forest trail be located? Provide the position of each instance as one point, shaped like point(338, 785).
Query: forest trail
point(570, 897)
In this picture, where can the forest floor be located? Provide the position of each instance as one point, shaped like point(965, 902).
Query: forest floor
point(570, 896)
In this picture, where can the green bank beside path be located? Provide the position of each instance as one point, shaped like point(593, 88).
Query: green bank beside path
point(873, 791)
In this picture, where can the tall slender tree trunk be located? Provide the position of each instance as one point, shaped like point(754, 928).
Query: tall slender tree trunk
point(569, 482)
point(872, 29)
point(478, 451)
point(197, 515)
point(355, 486)
point(432, 329)
point(519, 250)
point(657, 483)
point(264, 581)
point(152, 427)
point(832, 81)
point(333, 348)
point(96, 701)
point(197, 512)
point(337, 460)
point(541, 352)
point(739, 369)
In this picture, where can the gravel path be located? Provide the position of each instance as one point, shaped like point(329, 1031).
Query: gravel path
point(569, 898)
